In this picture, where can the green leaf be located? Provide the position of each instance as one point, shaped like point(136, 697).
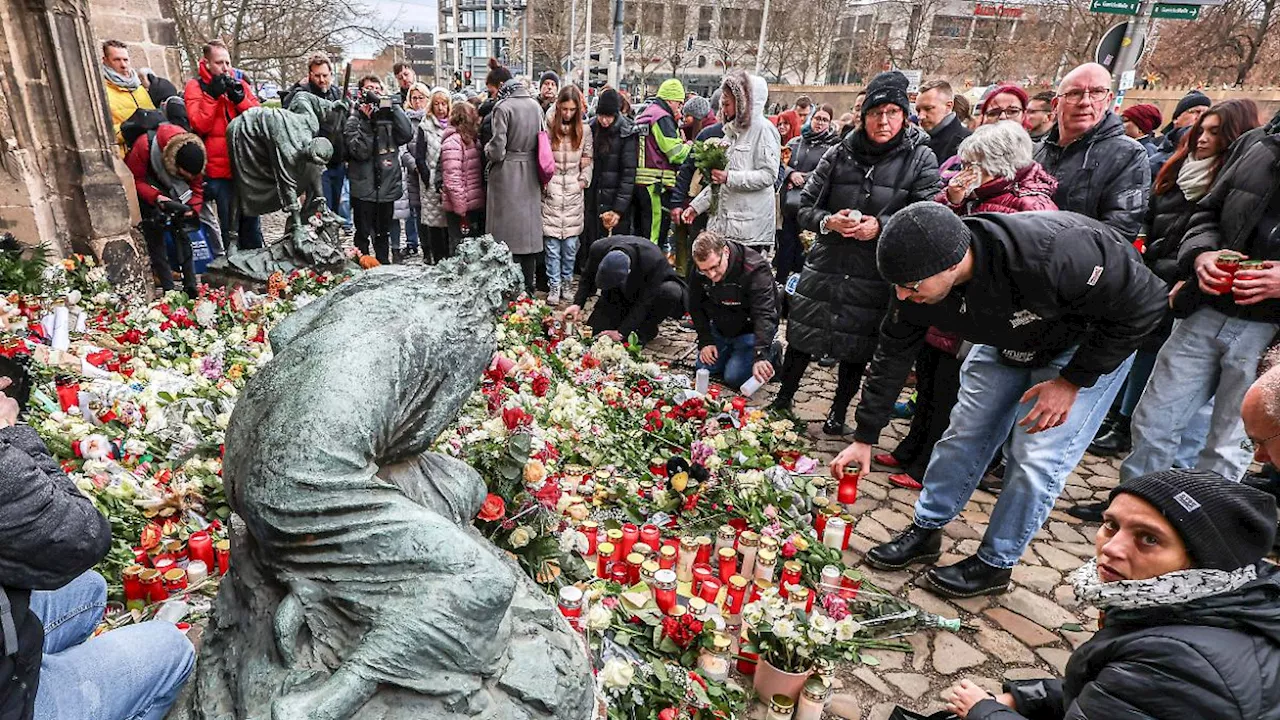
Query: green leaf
point(870, 660)
point(521, 443)
point(660, 671)
point(1072, 627)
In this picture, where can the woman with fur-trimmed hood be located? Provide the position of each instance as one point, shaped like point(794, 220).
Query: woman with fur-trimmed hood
point(746, 211)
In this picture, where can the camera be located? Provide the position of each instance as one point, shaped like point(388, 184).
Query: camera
point(369, 97)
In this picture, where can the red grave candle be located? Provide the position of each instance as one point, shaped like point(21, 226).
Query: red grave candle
point(630, 534)
point(701, 574)
point(604, 558)
point(200, 547)
point(728, 559)
point(710, 590)
point(651, 536)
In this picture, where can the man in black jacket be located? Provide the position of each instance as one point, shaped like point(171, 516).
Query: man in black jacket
point(51, 603)
point(934, 107)
point(638, 288)
point(320, 83)
point(733, 306)
point(373, 134)
point(1056, 304)
point(1101, 172)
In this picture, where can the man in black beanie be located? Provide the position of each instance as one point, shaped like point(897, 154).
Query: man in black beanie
point(638, 288)
point(548, 88)
point(1189, 109)
point(1056, 304)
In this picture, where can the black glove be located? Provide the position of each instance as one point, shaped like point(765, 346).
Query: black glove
point(173, 208)
point(235, 90)
point(217, 85)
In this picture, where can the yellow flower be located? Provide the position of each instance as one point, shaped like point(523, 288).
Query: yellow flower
point(534, 472)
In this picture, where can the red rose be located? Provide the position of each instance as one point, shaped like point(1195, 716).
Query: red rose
point(541, 385)
point(548, 494)
point(515, 417)
point(494, 508)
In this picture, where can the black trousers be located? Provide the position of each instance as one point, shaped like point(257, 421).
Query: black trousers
point(665, 301)
point(848, 378)
point(790, 255)
point(528, 263)
point(435, 243)
point(153, 233)
point(475, 228)
point(937, 386)
point(374, 219)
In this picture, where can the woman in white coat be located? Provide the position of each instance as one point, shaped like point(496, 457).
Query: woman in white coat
point(746, 210)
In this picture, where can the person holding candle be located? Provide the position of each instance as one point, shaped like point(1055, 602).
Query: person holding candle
point(51, 666)
point(1056, 323)
point(1191, 612)
point(733, 305)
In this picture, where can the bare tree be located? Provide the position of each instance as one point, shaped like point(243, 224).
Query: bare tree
point(272, 40)
point(992, 49)
point(783, 41)
point(915, 52)
point(817, 22)
point(1230, 41)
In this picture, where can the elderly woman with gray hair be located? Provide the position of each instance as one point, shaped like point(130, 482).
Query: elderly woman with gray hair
point(997, 175)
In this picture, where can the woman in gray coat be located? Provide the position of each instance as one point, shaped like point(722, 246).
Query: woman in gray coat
point(515, 192)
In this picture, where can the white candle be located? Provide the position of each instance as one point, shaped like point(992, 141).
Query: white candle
point(197, 571)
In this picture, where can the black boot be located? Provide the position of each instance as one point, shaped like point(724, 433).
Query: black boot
point(1116, 442)
point(915, 544)
point(835, 422)
point(848, 376)
point(1108, 422)
point(1089, 512)
point(969, 578)
point(793, 367)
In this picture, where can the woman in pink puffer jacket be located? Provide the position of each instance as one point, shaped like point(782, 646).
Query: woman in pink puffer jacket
point(462, 190)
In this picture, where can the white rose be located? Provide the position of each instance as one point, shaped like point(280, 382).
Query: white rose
point(599, 618)
point(520, 537)
point(617, 674)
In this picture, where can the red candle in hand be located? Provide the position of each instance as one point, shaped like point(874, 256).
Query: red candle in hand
point(848, 492)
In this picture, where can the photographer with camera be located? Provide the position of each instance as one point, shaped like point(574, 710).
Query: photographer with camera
point(217, 95)
point(168, 170)
point(373, 134)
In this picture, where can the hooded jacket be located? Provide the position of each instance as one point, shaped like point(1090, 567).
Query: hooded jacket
point(210, 115)
point(1043, 282)
point(1029, 190)
point(462, 190)
point(1103, 174)
point(664, 146)
point(649, 270)
point(746, 211)
point(50, 534)
point(170, 138)
point(841, 297)
point(1217, 657)
point(744, 301)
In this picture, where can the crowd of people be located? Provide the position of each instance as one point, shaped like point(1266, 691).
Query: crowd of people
point(1062, 277)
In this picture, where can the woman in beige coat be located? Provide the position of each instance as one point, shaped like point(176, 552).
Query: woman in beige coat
point(563, 198)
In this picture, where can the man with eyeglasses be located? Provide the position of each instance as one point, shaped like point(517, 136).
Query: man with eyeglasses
point(733, 303)
point(1101, 172)
point(1056, 304)
point(1261, 414)
point(934, 108)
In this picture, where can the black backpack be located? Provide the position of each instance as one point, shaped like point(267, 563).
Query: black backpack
point(141, 122)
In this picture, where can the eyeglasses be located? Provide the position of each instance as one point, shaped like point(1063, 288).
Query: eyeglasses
point(1012, 113)
point(912, 288)
point(1080, 95)
point(889, 113)
point(1249, 445)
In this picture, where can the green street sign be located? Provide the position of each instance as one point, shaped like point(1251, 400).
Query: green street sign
point(1176, 12)
point(1115, 7)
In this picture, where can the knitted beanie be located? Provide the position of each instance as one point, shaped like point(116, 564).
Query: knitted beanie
point(613, 270)
point(610, 102)
point(190, 157)
point(1146, 116)
point(697, 106)
point(549, 75)
point(671, 90)
point(1195, 98)
point(1225, 525)
point(887, 88)
point(920, 241)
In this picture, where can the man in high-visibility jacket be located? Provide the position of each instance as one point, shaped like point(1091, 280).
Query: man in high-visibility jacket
point(661, 153)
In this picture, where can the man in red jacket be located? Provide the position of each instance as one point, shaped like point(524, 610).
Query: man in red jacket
point(170, 181)
point(216, 96)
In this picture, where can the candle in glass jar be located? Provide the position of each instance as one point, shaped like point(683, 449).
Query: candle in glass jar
point(200, 547)
point(728, 559)
point(685, 562)
point(710, 590)
point(704, 550)
point(134, 593)
point(164, 564)
point(222, 556)
point(735, 595)
point(697, 607)
point(604, 559)
point(757, 589)
point(790, 576)
point(819, 514)
point(780, 708)
point(848, 531)
point(667, 557)
point(630, 536)
point(748, 545)
point(766, 564)
point(714, 660)
point(701, 574)
point(833, 535)
point(664, 590)
point(645, 549)
point(618, 572)
point(648, 570)
point(591, 529)
point(801, 598)
point(850, 583)
point(634, 561)
point(175, 580)
point(571, 605)
point(830, 579)
point(650, 535)
point(769, 543)
point(197, 571)
point(726, 537)
point(153, 584)
point(813, 699)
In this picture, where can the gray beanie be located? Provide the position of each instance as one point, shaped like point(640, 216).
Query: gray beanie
point(613, 270)
point(697, 106)
point(920, 241)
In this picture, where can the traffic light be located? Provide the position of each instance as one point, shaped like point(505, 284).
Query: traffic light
point(457, 79)
point(599, 77)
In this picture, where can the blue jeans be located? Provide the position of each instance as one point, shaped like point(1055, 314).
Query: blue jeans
point(331, 181)
point(735, 357)
point(1208, 355)
point(560, 256)
point(133, 673)
point(248, 229)
point(409, 226)
point(1037, 465)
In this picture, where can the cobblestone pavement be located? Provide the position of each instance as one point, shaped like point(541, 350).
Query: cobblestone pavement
point(1028, 632)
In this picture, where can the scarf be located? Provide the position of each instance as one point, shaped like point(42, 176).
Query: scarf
point(1195, 177)
point(509, 88)
point(130, 83)
point(873, 152)
point(826, 137)
point(1173, 588)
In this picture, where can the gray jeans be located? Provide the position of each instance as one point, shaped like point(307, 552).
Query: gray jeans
point(1209, 355)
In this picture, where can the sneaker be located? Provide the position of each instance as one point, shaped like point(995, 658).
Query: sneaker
point(827, 361)
point(1089, 512)
point(553, 296)
point(904, 410)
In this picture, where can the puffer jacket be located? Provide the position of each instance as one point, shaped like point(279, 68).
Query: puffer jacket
point(564, 197)
point(123, 103)
point(747, 211)
point(1216, 657)
point(463, 188)
point(373, 147)
point(1103, 174)
point(427, 141)
point(50, 534)
point(1030, 189)
point(840, 298)
point(409, 161)
point(614, 176)
point(210, 115)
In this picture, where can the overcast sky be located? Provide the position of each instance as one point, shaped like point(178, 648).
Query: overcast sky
point(401, 15)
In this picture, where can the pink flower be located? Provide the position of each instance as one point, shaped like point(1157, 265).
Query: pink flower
point(837, 608)
point(789, 549)
point(770, 512)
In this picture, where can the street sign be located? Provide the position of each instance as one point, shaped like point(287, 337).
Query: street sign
point(1176, 12)
point(1109, 47)
point(913, 79)
point(1115, 7)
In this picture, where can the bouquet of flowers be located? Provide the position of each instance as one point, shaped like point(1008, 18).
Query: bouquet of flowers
point(790, 639)
point(711, 154)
